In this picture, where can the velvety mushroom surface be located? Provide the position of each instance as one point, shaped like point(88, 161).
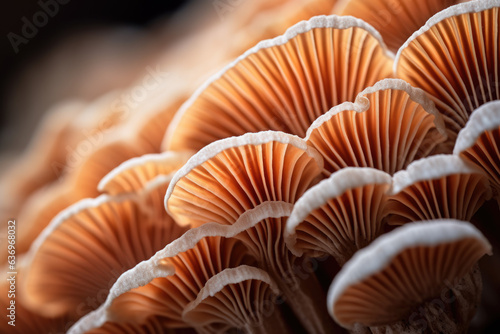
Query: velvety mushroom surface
point(406, 269)
point(232, 176)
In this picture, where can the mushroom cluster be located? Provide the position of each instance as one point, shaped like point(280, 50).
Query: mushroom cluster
point(341, 177)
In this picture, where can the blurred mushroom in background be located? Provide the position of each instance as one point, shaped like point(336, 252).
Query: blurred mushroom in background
point(217, 170)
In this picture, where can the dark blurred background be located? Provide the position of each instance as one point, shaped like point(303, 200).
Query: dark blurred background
point(73, 17)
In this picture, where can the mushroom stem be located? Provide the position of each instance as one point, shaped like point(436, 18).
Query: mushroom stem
point(303, 293)
point(449, 312)
point(272, 323)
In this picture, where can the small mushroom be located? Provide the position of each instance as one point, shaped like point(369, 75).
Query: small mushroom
point(479, 142)
point(421, 277)
point(339, 215)
point(454, 58)
point(283, 84)
point(243, 297)
point(133, 175)
point(396, 20)
point(236, 174)
point(441, 186)
point(92, 168)
point(390, 125)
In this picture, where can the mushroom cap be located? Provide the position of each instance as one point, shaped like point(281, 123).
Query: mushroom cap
point(440, 186)
point(232, 175)
point(454, 58)
point(132, 175)
point(87, 246)
point(162, 285)
point(235, 297)
point(395, 20)
point(390, 125)
point(479, 141)
point(383, 282)
point(284, 83)
point(340, 214)
point(91, 168)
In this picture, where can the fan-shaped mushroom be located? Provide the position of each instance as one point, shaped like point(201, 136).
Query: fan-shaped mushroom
point(236, 174)
point(479, 142)
point(419, 277)
point(390, 125)
point(441, 186)
point(339, 215)
point(455, 58)
point(242, 298)
point(107, 235)
point(133, 175)
point(283, 84)
point(396, 20)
